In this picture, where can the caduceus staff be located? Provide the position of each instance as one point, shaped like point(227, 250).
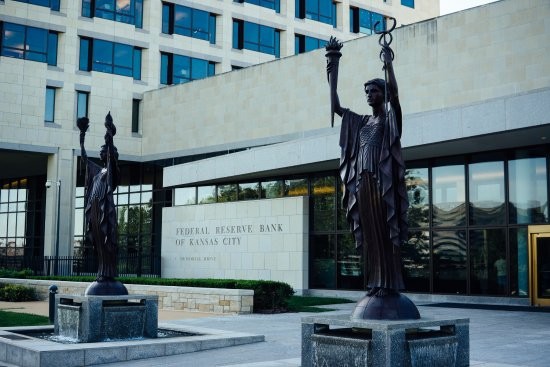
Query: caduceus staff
point(385, 40)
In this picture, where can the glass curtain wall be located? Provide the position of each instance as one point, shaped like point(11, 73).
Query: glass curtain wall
point(468, 219)
point(22, 222)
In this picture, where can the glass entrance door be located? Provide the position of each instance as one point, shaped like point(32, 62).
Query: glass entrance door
point(540, 265)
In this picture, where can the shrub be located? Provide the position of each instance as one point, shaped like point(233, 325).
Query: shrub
point(10, 273)
point(17, 293)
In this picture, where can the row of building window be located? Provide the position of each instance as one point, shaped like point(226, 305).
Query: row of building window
point(201, 24)
point(82, 102)
point(270, 4)
point(29, 43)
point(110, 57)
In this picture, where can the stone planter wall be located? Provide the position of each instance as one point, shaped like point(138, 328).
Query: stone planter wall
point(217, 300)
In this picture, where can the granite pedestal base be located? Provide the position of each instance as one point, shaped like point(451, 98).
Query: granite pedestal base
point(339, 340)
point(87, 319)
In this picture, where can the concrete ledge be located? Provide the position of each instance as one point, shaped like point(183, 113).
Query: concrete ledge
point(215, 300)
point(32, 352)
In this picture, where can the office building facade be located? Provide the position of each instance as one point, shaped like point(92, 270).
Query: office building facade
point(250, 152)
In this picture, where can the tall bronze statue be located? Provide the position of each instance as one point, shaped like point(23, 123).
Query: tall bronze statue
point(100, 211)
point(375, 198)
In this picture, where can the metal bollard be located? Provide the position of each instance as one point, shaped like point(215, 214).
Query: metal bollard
point(52, 292)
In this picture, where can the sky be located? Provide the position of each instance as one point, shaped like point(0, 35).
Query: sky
point(451, 6)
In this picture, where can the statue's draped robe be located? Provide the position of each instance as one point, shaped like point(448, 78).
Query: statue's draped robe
point(375, 198)
point(100, 214)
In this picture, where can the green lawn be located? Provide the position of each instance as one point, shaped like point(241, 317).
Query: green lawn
point(308, 304)
point(9, 318)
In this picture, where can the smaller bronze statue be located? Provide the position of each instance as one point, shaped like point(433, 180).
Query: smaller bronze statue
point(100, 211)
point(375, 199)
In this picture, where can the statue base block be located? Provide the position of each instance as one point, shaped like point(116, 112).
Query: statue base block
point(86, 319)
point(339, 340)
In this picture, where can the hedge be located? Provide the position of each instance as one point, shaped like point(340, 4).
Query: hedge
point(269, 295)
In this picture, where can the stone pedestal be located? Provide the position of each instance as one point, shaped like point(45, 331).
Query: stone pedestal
point(339, 340)
point(87, 319)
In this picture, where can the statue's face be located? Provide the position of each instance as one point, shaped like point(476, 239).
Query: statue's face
point(103, 154)
point(375, 96)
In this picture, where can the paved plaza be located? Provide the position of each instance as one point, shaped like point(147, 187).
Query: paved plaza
point(498, 337)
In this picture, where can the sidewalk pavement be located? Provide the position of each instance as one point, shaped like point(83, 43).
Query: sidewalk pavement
point(497, 338)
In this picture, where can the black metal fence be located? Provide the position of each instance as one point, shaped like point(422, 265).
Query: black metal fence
point(128, 266)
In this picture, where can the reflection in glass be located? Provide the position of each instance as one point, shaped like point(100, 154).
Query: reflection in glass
point(416, 181)
point(488, 264)
point(206, 194)
point(519, 262)
point(249, 191)
point(528, 190)
point(342, 222)
point(324, 201)
point(185, 196)
point(272, 189)
point(486, 193)
point(323, 263)
point(415, 255)
point(227, 193)
point(449, 261)
point(350, 264)
point(296, 187)
point(448, 196)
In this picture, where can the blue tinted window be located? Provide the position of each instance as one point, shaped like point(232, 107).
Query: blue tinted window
point(136, 67)
point(409, 3)
point(178, 69)
point(37, 44)
point(13, 40)
point(164, 68)
point(82, 104)
point(304, 43)
point(29, 43)
point(87, 8)
point(52, 48)
point(52, 4)
point(237, 34)
point(102, 59)
point(50, 105)
point(256, 37)
point(84, 61)
point(167, 15)
point(270, 4)
point(364, 21)
point(109, 57)
point(319, 10)
point(124, 11)
point(123, 59)
point(188, 22)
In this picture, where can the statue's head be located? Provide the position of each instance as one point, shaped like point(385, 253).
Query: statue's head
point(374, 89)
point(103, 153)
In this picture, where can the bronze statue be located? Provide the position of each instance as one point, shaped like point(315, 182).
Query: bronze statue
point(375, 198)
point(100, 211)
